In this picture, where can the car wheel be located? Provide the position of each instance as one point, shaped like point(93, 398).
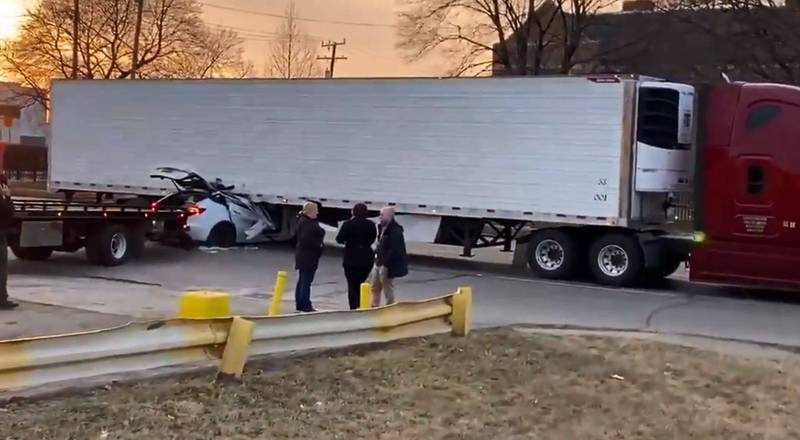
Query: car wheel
point(222, 235)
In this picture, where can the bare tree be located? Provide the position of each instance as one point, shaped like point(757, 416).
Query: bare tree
point(757, 39)
point(215, 54)
point(174, 42)
point(523, 37)
point(294, 53)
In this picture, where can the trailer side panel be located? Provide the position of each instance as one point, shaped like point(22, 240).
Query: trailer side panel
point(530, 149)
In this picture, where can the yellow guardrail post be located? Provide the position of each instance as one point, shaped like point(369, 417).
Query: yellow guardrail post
point(203, 304)
point(462, 311)
point(366, 296)
point(277, 294)
point(235, 355)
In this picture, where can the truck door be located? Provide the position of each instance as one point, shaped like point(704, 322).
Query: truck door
point(763, 215)
point(764, 147)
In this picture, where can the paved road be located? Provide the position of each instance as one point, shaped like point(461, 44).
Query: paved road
point(150, 288)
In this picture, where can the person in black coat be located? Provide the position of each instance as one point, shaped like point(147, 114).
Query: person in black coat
point(391, 258)
point(6, 218)
point(310, 238)
point(357, 235)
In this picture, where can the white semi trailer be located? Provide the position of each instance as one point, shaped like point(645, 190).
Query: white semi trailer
point(581, 169)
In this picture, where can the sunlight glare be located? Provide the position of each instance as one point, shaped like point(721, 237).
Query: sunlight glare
point(11, 12)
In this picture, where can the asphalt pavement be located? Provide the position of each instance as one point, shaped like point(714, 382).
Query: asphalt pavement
point(66, 294)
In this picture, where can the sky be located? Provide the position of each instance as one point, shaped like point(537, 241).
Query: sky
point(370, 49)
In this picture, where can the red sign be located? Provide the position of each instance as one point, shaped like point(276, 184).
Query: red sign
point(10, 110)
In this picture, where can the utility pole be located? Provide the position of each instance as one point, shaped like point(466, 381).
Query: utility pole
point(76, 18)
point(136, 33)
point(332, 45)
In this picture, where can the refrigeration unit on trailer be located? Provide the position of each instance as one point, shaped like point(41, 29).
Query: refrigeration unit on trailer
point(582, 169)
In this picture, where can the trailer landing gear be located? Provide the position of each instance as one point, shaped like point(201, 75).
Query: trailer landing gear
point(478, 233)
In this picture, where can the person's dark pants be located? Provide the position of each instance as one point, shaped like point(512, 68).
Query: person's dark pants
point(302, 293)
point(3, 268)
point(356, 275)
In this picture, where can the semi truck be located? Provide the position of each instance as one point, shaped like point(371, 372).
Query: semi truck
point(598, 175)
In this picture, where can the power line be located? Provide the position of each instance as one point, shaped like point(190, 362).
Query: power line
point(257, 33)
point(311, 20)
point(240, 32)
point(371, 54)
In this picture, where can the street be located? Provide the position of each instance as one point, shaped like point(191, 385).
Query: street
point(66, 294)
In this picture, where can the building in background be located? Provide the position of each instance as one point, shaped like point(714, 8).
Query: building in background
point(31, 128)
point(681, 45)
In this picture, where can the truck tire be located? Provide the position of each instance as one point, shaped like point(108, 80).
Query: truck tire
point(222, 235)
point(553, 254)
point(137, 239)
point(667, 268)
point(670, 267)
point(616, 260)
point(31, 254)
point(109, 246)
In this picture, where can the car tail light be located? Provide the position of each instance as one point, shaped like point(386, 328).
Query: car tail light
point(194, 210)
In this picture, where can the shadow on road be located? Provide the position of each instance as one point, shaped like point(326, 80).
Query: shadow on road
point(75, 265)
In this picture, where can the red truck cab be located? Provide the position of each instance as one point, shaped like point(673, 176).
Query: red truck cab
point(748, 182)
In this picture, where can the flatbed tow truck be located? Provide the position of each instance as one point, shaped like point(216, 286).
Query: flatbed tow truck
point(112, 232)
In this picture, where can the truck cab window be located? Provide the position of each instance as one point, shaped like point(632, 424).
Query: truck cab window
point(755, 179)
point(659, 117)
point(761, 115)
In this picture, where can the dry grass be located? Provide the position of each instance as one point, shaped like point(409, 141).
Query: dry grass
point(500, 385)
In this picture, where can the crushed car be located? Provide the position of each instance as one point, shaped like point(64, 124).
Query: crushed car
point(222, 216)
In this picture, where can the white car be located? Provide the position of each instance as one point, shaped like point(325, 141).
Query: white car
point(220, 217)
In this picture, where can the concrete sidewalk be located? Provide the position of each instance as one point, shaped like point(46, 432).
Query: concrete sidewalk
point(32, 319)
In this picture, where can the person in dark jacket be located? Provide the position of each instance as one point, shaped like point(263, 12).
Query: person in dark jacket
point(357, 235)
point(310, 238)
point(391, 259)
point(6, 217)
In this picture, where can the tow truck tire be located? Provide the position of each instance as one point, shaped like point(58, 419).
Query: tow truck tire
point(31, 254)
point(137, 240)
point(616, 260)
point(109, 246)
point(553, 254)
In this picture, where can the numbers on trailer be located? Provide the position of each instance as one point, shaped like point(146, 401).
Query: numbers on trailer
point(602, 181)
point(601, 197)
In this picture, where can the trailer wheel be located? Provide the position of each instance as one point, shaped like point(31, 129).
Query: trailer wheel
point(222, 235)
point(553, 254)
point(110, 246)
point(616, 260)
point(31, 254)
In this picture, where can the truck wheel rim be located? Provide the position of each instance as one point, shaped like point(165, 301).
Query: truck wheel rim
point(119, 245)
point(549, 254)
point(612, 260)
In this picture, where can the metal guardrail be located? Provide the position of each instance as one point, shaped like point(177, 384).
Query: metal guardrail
point(141, 346)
